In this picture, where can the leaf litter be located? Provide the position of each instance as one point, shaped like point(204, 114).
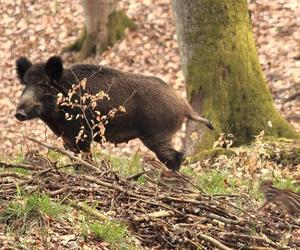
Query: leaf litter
point(42, 29)
point(157, 215)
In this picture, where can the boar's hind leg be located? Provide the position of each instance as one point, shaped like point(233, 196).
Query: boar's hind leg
point(165, 153)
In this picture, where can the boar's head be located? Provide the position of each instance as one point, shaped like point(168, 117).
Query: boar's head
point(40, 93)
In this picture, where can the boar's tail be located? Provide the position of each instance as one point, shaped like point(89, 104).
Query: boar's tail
point(191, 114)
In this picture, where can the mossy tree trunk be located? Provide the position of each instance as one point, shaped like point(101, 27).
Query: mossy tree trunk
point(103, 26)
point(224, 80)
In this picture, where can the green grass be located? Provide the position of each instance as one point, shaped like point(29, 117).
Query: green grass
point(84, 225)
point(110, 232)
point(212, 181)
point(18, 158)
point(215, 182)
point(126, 166)
point(25, 210)
point(55, 156)
point(286, 183)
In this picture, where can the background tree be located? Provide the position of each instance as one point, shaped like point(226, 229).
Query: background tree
point(104, 24)
point(224, 80)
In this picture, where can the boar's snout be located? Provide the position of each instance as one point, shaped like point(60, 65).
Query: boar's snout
point(21, 115)
point(24, 113)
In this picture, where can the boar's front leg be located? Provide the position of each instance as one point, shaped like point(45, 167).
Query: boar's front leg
point(82, 147)
point(165, 152)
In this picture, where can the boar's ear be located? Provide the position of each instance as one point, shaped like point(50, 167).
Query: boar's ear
point(22, 65)
point(54, 67)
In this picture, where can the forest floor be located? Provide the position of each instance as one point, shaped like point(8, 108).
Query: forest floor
point(43, 29)
point(213, 203)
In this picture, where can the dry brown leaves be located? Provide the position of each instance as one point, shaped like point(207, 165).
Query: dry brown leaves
point(276, 29)
point(40, 29)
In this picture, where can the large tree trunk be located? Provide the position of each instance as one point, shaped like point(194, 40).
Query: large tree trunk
point(103, 26)
point(223, 77)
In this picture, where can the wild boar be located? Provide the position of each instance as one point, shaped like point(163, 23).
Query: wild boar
point(153, 110)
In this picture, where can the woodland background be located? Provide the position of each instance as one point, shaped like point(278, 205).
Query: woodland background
point(76, 211)
point(43, 29)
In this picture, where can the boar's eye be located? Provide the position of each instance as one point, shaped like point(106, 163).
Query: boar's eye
point(22, 65)
point(42, 83)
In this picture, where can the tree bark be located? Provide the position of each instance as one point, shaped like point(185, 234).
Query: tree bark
point(224, 80)
point(103, 26)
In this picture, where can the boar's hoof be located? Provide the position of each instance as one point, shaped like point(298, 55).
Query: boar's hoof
point(175, 161)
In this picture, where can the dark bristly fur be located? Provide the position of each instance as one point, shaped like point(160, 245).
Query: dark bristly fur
point(283, 198)
point(154, 112)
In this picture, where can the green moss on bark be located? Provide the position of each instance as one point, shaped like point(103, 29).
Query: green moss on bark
point(77, 44)
point(118, 23)
point(225, 71)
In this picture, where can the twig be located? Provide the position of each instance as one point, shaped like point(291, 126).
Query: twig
point(258, 248)
point(222, 219)
point(194, 244)
point(225, 195)
point(213, 241)
point(108, 185)
point(238, 208)
point(135, 176)
point(59, 191)
point(263, 239)
point(65, 152)
point(89, 210)
point(279, 91)
point(31, 180)
point(13, 165)
point(15, 175)
point(291, 98)
point(154, 215)
point(165, 206)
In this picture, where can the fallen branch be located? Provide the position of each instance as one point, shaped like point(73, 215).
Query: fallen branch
point(253, 237)
point(224, 220)
point(154, 215)
point(14, 175)
point(291, 98)
point(65, 152)
point(161, 217)
point(213, 241)
point(89, 210)
point(59, 191)
point(13, 165)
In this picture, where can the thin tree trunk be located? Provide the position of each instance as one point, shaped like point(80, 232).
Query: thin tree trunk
point(103, 26)
point(96, 14)
point(223, 77)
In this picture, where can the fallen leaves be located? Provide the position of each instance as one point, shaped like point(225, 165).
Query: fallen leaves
point(42, 29)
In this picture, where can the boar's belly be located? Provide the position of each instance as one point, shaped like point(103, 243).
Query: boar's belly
point(116, 136)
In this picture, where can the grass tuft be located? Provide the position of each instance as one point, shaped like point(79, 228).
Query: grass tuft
point(35, 208)
point(110, 232)
point(126, 166)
